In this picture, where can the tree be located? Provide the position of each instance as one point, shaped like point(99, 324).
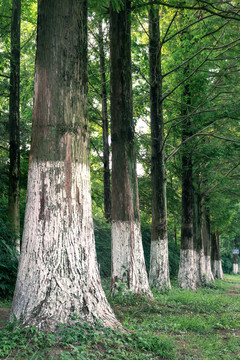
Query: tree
point(107, 185)
point(128, 264)
point(14, 124)
point(58, 274)
point(159, 267)
point(216, 256)
point(206, 233)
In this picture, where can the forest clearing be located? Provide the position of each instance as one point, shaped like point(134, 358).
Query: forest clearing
point(179, 325)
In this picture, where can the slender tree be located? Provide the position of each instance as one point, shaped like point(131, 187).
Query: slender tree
point(205, 233)
point(106, 180)
point(216, 256)
point(128, 264)
point(58, 274)
point(198, 240)
point(159, 266)
point(187, 267)
point(235, 257)
point(14, 124)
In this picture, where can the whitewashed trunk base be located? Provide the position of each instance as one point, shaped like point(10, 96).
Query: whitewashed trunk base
point(217, 269)
point(208, 270)
point(187, 270)
point(128, 263)
point(58, 274)
point(200, 267)
point(235, 268)
point(159, 265)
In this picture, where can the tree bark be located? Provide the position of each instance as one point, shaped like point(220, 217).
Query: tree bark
point(187, 266)
point(58, 274)
point(159, 264)
point(106, 180)
point(128, 264)
point(198, 240)
point(235, 258)
point(205, 233)
point(216, 256)
point(14, 124)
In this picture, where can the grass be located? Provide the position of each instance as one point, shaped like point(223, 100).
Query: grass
point(180, 325)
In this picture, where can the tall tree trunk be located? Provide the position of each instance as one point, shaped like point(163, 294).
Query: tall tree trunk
point(216, 256)
point(187, 266)
point(128, 264)
point(14, 124)
point(205, 233)
point(159, 265)
point(58, 273)
point(107, 186)
point(198, 240)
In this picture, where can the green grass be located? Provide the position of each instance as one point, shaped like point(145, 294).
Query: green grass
point(180, 325)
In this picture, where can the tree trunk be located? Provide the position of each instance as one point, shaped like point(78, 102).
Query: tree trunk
point(107, 186)
point(198, 240)
point(14, 124)
point(235, 258)
point(128, 264)
point(216, 257)
point(159, 265)
point(187, 266)
point(58, 274)
point(205, 233)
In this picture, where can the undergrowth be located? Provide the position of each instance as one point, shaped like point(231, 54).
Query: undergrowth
point(180, 324)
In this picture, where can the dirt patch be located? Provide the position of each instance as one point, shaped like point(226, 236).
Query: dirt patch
point(234, 291)
point(4, 316)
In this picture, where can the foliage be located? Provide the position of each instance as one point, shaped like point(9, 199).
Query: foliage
point(8, 261)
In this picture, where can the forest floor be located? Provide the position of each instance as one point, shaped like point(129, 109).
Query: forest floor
point(202, 325)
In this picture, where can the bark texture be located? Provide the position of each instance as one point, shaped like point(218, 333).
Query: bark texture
point(187, 276)
point(205, 233)
point(159, 266)
point(216, 256)
point(235, 258)
point(106, 180)
point(58, 275)
point(14, 124)
point(198, 240)
point(125, 203)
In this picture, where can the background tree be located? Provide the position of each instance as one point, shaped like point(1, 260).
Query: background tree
point(128, 264)
point(14, 124)
point(159, 268)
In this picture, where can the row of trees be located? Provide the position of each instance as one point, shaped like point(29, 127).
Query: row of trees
point(183, 84)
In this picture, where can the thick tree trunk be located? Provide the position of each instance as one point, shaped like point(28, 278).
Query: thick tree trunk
point(107, 186)
point(188, 265)
point(58, 274)
point(128, 264)
point(205, 233)
point(14, 124)
point(159, 265)
point(216, 256)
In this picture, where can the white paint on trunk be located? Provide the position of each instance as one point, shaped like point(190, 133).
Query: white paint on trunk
point(58, 273)
point(217, 269)
point(187, 269)
point(159, 267)
point(128, 263)
point(200, 267)
point(208, 270)
point(235, 268)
